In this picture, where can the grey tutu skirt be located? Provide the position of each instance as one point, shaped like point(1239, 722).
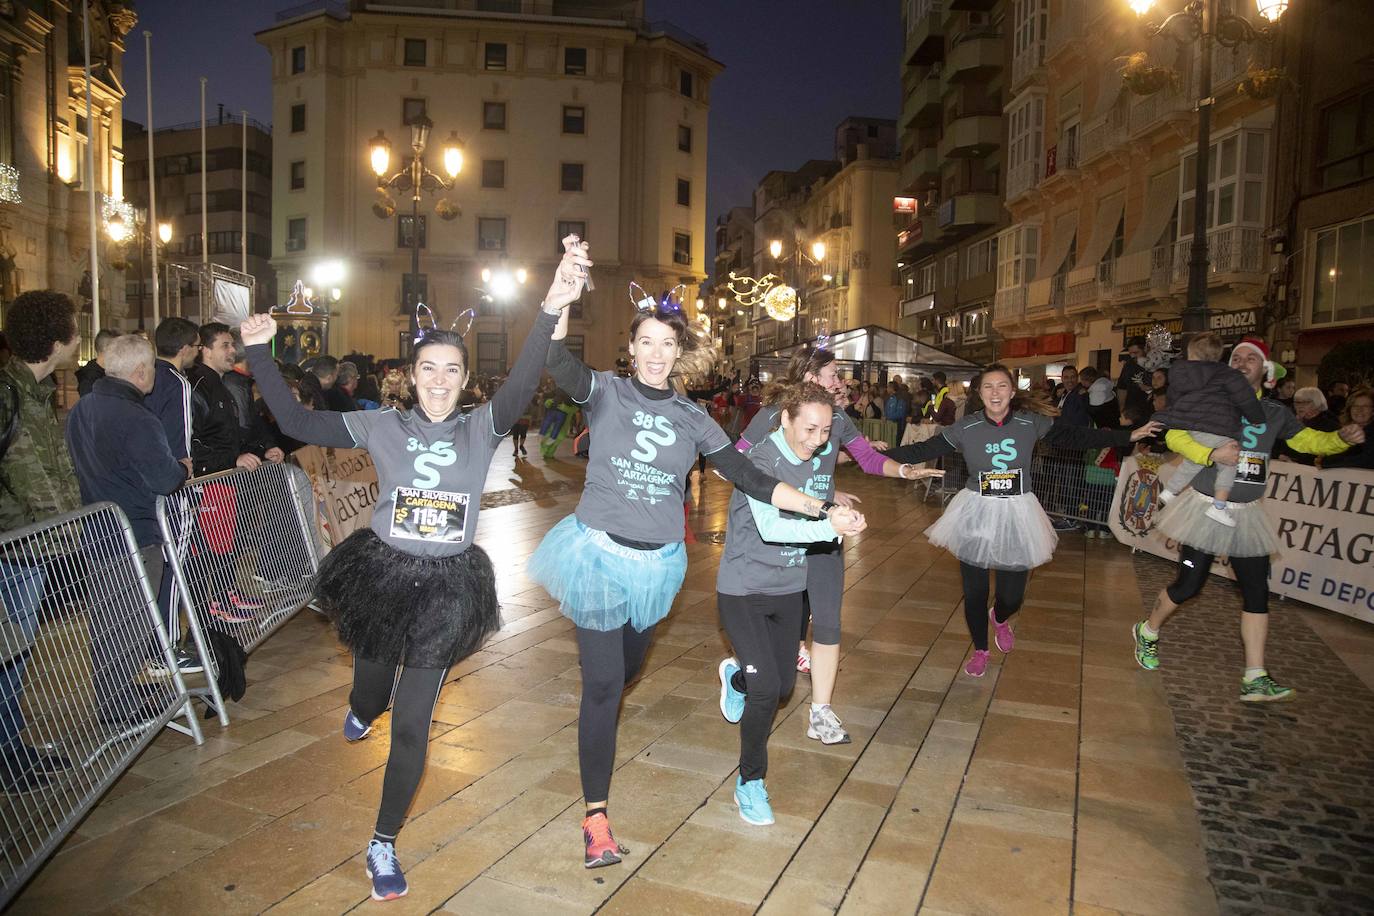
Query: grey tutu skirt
point(1185, 520)
point(396, 608)
point(994, 532)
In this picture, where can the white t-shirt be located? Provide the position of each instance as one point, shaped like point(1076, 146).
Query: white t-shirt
point(1100, 392)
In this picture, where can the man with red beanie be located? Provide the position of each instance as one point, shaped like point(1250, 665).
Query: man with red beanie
point(1250, 542)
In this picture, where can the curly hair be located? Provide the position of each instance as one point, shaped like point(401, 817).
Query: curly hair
point(794, 397)
point(39, 321)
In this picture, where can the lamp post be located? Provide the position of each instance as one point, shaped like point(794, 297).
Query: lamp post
point(816, 258)
point(499, 287)
point(131, 234)
point(415, 177)
point(1206, 22)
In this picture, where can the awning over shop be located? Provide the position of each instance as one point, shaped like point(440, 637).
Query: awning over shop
point(1109, 210)
point(881, 347)
point(1065, 228)
point(1161, 201)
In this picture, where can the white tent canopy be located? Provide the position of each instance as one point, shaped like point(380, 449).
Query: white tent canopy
point(882, 348)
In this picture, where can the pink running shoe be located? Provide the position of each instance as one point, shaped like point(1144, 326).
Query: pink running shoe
point(1002, 634)
point(977, 664)
point(244, 603)
point(228, 614)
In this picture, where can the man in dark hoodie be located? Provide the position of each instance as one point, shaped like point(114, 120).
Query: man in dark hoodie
point(87, 375)
point(121, 455)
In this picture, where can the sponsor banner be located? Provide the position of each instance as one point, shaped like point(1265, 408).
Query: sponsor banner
point(1324, 521)
point(1229, 326)
point(344, 481)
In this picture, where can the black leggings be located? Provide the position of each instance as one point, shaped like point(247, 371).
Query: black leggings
point(610, 660)
point(1252, 578)
point(762, 629)
point(1011, 590)
point(412, 708)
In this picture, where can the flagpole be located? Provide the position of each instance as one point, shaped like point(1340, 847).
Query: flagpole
point(153, 237)
point(243, 204)
point(90, 174)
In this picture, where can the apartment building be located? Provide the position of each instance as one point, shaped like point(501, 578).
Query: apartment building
point(1101, 182)
point(578, 116)
point(955, 72)
point(734, 252)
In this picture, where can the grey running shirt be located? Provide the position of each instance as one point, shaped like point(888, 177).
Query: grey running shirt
point(998, 456)
point(640, 454)
point(750, 565)
point(1256, 444)
point(842, 432)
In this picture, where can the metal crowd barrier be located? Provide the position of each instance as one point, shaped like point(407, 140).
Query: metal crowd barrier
point(243, 553)
point(1064, 481)
point(87, 677)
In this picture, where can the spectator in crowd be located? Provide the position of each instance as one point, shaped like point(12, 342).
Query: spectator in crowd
point(121, 455)
point(1283, 392)
point(177, 342)
point(1102, 405)
point(897, 406)
point(348, 381)
point(312, 392)
point(1159, 399)
point(1311, 407)
point(1159, 378)
point(1336, 393)
point(291, 374)
point(239, 383)
point(326, 369)
point(1359, 410)
point(37, 482)
point(94, 369)
point(218, 442)
point(1073, 400)
point(940, 408)
point(1133, 384)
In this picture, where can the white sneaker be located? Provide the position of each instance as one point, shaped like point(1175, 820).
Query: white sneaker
point(1221, 515)
point(824, 726)
point(1165, 495)
point(804, 660)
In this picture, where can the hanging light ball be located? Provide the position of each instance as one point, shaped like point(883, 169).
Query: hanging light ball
point(781, 303)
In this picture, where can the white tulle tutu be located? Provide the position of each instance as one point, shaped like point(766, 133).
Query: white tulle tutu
point(1184, 519)
point(995, 532)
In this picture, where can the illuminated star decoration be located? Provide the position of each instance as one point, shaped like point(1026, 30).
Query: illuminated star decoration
point(1159, 338)
point(777, 298)
point(299, 303)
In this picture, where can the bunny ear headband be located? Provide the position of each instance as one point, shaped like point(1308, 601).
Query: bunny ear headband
point(671, 301)
point(426, 322)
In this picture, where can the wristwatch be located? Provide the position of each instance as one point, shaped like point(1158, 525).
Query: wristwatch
point(826, 506)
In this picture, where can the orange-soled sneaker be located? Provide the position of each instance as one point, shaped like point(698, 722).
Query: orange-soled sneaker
point(602, 848)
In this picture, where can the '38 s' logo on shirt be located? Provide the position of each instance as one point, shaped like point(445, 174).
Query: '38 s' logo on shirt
point(654, 431)
point(637, 475)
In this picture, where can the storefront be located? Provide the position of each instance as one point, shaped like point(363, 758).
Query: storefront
point(1034, 358)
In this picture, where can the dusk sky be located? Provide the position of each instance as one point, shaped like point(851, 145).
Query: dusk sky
point(793, 70)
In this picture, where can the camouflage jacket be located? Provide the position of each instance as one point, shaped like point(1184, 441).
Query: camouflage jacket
point(37, 479)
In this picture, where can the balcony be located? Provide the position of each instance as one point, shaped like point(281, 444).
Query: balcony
point(1009, 307)
point(922, 105)
point(1141, 275)
point(1103, 134)
point(974, 56)
point(967, 213)
point(1066, 30)
point(921, 171)
point(1045, 298)
point(1234, 255)
point(1086, 287)
point(1028, 65)
point(925, 35)
point(920, 236)
point(1168, 107)
point(1023, 178)
point(971, 137)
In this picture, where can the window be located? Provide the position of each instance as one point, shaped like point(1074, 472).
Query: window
point(925, 276)
point(1235, 183)
point(412, 110)
point(491, 233)
point(1026, 132)
point(571, 177)
point(980, 258)
point(951, 268)
point(298, 118)
point(574, 119)
point(297, 175)
point(566, 227)
point(684, 83)
point(405, 224)
point(975, 325)
point(1018, 250)
point(1343, 273)
point(1028, 34)
point(1067, 155)
point(415, 52)
point(495, 58)
point(295, 234)
point(493, 173)
point(491, 353)
point(684, 138)
point(414, 288)
point(493, 115)
point(223, 242)
point(575, 61)
point(1347, 142)
point(298, 59)
point(684, 192)
point(682, 248)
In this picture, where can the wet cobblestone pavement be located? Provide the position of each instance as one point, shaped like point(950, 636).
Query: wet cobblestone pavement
point(1285, 791)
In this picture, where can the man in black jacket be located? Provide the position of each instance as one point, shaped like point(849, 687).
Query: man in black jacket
point(87, 375)
point(218, 442)
point(121, 455)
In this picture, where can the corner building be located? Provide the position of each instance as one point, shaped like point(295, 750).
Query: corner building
point(576, 117)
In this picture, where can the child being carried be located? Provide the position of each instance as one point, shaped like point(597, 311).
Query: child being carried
point(1208, 399)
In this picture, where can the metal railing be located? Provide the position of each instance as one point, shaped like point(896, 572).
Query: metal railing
point(1068, 482)
point(1024, 177)
point(243, 551)
point(87, 677)
point(1234, 250)
point(1140, 273)
point(1024, 65)
point(1103, 134)
point(1009, 304)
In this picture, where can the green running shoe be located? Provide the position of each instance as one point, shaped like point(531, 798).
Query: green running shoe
point(1146, 649)
point(1264, 689)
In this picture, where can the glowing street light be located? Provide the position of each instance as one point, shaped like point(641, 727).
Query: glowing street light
point(775, 248)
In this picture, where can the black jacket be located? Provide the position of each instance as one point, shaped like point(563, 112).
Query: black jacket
point(217, 436)
point(121, 455)
point(86, 377)
point(1073, 408)
point(1359, 456)
point(1205, 395)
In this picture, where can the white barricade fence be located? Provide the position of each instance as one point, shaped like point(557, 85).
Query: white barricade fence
point(88, 677)
point(244, 556)
point(1324, 520)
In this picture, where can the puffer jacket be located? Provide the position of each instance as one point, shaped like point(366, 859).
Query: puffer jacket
point(1205, 397)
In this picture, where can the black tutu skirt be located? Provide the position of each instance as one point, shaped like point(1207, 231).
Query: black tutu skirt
point(395, 608)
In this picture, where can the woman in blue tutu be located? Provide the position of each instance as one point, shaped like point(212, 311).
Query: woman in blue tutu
point(412, 594)
point(995, 522)
point(617, 562)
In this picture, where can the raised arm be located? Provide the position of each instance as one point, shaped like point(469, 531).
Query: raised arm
point(570, 373)
point(870, 460)
point(318, 427)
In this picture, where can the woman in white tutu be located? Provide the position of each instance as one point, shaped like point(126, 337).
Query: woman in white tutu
point(995, 522)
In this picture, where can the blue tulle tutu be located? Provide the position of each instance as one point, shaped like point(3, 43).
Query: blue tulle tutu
point(602, 585)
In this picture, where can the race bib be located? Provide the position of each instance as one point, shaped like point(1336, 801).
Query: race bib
point(1000, 483)
point(429, 515)
point(1252, 467)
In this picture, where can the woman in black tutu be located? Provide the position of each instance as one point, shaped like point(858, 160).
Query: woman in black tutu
point(413, 594)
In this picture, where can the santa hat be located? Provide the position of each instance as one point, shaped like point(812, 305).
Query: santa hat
point(1262, 348)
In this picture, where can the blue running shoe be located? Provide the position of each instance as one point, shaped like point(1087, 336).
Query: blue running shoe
point(752, 800)
point(731, 700)
point(355, 729)
point(388, 882)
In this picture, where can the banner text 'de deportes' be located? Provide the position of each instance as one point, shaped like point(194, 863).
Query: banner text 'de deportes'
point(1324, 520)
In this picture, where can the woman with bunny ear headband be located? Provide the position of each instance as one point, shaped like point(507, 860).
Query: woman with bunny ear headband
point(617, 562)
point(412, 594)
